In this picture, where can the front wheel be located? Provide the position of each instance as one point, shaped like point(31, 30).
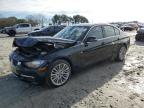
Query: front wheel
point(59, 73)
point(121, 53)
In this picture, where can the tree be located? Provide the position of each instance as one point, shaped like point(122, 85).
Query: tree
point(56, 19)
point(10, 21)
point(71, 19)
point(41, 19)
point(64, 18)
point(31, 19)
point(80, 19)
point(21, 21)
point(36, 19)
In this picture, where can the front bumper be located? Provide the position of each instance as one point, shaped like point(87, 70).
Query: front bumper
point(26, 73)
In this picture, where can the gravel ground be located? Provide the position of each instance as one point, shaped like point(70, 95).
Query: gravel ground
point(105, 85)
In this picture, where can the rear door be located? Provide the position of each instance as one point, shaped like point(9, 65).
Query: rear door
point(110, 39)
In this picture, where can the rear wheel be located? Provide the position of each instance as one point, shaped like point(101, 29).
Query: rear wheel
point(121, 53)
point(59, 73)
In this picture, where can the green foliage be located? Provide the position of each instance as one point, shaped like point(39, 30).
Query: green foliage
point(58, 19)
point(80, 19)
point(33, 20)
point(10, 21)
point(41, 19)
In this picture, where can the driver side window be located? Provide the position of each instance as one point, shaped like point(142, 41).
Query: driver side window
point(96, 32)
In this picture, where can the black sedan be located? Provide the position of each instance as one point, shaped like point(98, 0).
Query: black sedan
point(47, 31)
point(140, 35)
point(55, 58)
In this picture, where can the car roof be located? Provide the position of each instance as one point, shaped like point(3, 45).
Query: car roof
point(89, 24)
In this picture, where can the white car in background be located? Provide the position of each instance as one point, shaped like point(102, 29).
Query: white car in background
point(22, 28)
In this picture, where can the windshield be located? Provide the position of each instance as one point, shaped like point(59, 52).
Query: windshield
point(73, 32)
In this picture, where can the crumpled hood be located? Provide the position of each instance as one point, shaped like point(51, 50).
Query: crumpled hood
point(32, 41)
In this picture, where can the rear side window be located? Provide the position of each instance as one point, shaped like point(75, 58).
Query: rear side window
point(117, 31)
point(96, 32)
point(109, 31)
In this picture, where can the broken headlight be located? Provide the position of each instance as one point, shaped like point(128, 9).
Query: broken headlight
point(35, 64)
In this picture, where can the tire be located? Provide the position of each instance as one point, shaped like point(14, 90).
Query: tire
point(59, 73)
point(12, 33)
point(121, 53)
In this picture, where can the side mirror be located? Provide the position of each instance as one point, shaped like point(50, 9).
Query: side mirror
point(91, 39)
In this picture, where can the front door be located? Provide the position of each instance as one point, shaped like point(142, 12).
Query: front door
point(92, 52)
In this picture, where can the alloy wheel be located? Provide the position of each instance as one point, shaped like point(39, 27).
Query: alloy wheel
point(60, 74)
point(122, 53)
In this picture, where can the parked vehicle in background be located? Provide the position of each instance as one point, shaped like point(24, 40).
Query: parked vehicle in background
point(19, 29)
point(53, 59)
point(140, 34)
point(47, 31)
point(127, 28)
point(1, 30)
point(116, 25)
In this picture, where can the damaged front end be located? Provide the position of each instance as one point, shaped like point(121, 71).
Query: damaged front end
point(27, 60)
point(35, 46)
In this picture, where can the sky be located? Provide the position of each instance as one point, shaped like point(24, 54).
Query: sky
point(94, 10)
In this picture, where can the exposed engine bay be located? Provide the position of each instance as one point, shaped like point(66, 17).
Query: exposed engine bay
point(34, 46)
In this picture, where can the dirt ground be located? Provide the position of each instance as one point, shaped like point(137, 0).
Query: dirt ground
point(105, 85)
